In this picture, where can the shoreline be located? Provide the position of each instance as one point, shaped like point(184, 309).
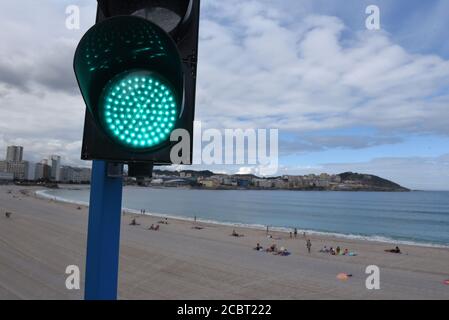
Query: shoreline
point(42, 193)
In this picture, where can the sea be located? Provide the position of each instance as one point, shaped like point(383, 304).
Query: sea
point(417, 217)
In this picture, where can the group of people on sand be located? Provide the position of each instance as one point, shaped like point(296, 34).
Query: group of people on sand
point(294, 234)
point(165, 221)
point(273, 249)
point(281, 251)
point(153, 227)
point(337, 251)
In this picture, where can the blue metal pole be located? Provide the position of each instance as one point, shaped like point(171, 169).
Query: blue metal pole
point(103, 236)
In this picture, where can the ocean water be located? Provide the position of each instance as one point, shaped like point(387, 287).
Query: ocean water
point(400, 217)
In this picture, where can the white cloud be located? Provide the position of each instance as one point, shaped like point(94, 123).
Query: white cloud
point(255, 71)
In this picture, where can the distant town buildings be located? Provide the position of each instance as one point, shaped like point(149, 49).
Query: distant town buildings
point(209, 180)
point(15, 168)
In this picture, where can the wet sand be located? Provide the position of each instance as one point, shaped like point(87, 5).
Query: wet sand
point(42, 237)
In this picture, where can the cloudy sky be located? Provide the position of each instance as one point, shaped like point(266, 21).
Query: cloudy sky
point(343, 98)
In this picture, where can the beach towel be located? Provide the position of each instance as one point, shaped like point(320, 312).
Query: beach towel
point(343, 276)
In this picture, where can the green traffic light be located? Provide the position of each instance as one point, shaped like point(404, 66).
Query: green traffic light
point(138, 109)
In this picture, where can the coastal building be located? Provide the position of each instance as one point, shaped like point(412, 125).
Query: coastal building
point(42, 171)
point(294, 182)
point(157, 181)
point(30, 171)
point(75, 175)
point(263, 183)
point(55, 168)
point(280, 184)
point(14, 154)
point(227, 181)
point(17, 168)
point(243, 183)
point(6, 177)
point(177, 183)
point(209, 182)
point(3, 166)
point(185, 174)
point(335, 178)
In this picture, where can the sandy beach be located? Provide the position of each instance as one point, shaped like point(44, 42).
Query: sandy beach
point(42, 237)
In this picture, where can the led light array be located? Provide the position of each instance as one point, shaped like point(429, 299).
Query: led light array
point(140, 110)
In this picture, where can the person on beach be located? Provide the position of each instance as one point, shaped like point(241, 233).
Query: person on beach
point(324, 250)
point(395, 250)
point(338, 251)
point(235, 234)
point(258, 247)
point(283, 252)
point(309, 245)
point(267, 230)
point(291, 235)
point(296, 233)
point(133, 222)
point(152, 227)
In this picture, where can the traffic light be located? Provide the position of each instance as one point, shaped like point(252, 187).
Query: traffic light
point(136, 69)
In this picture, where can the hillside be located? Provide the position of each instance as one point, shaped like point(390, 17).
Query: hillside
point(358, 181)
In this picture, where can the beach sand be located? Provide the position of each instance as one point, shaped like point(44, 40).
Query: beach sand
point(42, 237)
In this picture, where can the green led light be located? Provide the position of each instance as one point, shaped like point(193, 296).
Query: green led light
point(128, 102)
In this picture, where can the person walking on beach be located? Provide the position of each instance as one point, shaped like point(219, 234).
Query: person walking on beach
point(296, 233)
point(309, 245)
point(267, 230)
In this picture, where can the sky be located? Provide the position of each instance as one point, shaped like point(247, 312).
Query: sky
point(343, 98)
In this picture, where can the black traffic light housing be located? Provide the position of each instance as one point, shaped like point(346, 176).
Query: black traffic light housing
point(158, 36)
